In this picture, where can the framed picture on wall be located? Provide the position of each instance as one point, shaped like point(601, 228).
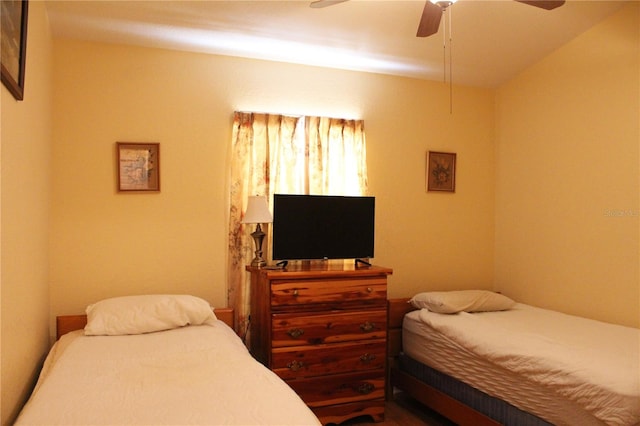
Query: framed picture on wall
point(138, 166)
point(441, 171)
point(14, 45)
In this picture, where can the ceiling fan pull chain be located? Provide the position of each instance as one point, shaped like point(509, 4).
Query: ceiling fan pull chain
point(444, 47)
point(450, 62)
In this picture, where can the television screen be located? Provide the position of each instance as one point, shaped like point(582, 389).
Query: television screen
point(308, 227)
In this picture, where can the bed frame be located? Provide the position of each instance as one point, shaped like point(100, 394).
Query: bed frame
point(68, 323)
point(418, 390)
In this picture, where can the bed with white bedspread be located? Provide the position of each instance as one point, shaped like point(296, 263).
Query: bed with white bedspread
point(561, 369)
point(193, 371)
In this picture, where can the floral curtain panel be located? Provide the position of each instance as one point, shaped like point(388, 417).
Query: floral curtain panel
point(277, 154)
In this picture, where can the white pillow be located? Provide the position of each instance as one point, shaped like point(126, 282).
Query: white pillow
point(450, 302)
point(146, 314)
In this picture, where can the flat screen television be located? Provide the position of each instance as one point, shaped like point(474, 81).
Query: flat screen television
point(312, 227)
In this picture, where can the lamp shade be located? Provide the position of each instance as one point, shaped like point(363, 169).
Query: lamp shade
point(257, 210)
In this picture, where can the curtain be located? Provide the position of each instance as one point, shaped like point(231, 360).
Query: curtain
point(277, 154)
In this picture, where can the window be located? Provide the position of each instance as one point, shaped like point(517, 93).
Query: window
point(289, 155)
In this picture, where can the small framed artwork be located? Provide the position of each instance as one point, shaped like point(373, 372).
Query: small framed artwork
point(441, 171)
point(14, 45)
point(138, 166)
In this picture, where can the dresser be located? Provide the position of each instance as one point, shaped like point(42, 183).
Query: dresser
point(323, 329)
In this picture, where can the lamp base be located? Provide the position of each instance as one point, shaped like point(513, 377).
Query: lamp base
point(258, 262)
point(258, 237)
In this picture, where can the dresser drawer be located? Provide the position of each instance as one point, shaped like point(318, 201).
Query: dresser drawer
point(294, 329)
point(339, 389)
point(329, 292)
point(310, 361)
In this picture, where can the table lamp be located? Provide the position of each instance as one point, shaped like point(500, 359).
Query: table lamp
point(258, 212)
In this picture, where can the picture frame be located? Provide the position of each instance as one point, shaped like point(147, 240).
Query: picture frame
point(138, 166)
point(441, 171)
point(14, 15)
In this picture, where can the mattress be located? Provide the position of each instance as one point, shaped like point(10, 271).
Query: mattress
point(196, 375)
point(564, 369)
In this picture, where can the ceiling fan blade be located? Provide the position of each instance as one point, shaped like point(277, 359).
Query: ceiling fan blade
point(318, 4)
point(430, 20)
point(544, 4)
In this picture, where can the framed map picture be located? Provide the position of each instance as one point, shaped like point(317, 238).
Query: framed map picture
point(138, 166)
point(441, 171)
point(14, 45)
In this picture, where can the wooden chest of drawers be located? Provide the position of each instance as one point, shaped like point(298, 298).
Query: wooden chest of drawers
point(324, 330)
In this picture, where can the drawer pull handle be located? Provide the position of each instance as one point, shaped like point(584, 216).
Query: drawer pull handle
point(295, 293)
point(369, 290)
point(367, 358)
point(295, 365)
point(365, 388)
point(295, 332)
point(367, 326)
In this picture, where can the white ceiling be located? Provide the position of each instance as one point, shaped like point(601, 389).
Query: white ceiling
point(491, 40)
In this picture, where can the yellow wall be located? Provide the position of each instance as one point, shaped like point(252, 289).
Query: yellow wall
point(25, 192)
point(104, 243)
point(567, 211)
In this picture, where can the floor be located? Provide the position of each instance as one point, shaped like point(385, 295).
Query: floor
point(403, 411)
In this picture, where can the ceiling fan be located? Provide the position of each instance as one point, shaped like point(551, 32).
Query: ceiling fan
point(433, 9)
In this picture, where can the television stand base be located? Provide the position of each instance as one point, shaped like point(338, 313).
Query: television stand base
point(363, 262)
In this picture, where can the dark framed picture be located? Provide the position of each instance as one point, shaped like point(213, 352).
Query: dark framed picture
point(138, 166)
point(441, 171)
point(14, 45)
